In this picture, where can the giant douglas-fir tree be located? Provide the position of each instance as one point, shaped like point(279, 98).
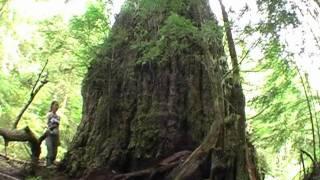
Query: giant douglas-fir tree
point(159, 87)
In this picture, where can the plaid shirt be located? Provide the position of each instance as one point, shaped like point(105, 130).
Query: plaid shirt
point(53, 120)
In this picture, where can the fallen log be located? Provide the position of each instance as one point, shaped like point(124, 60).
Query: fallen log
point(24, 135)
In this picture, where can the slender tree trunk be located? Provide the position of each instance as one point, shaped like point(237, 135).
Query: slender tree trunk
point(303, 166)
point(310, 114)
point(238, 99)
point(231, 45)
point(309, 90)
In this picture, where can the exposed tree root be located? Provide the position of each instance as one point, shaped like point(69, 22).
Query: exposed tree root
point(147, 172)
point(161, 168)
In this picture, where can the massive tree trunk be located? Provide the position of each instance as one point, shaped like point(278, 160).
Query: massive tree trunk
point(156, 89)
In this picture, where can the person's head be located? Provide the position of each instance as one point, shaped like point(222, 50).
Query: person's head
point(54, 106)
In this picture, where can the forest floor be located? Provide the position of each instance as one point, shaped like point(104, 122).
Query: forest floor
point(11, 169)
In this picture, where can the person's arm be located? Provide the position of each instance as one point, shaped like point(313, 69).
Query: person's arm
point(54, 122)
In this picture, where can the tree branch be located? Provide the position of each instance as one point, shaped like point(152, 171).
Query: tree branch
point(259, 113)
point(4, 3)
point(39, 75)
point(309, 155)
point(33, 94)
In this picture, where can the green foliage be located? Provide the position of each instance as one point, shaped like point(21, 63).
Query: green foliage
point(117, 37)
point(89, 32)
point(280, 13)
point(282, 125)
point(10, 98)
point(177, 27)
point(175, 37)
point(175, 34)
point(211, 33)
point(69, 47)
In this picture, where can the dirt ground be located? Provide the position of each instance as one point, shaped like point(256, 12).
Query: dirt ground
point(12, 169)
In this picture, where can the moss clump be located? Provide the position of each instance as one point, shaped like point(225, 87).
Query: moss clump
point(175, 37)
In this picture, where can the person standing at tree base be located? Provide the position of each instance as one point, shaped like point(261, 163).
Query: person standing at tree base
point(52, 134)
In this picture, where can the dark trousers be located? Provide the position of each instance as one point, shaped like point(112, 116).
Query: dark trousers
point(52, 142)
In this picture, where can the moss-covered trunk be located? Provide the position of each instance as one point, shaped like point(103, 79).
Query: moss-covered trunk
point(157, 88)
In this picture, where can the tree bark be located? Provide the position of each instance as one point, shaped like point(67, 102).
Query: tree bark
point(231, 45)
point(154, 91)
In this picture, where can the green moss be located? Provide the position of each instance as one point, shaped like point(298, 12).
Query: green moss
point(118, 36)
point(173, 38)
point(211, 33)
point(160, 31)
point(146, 134)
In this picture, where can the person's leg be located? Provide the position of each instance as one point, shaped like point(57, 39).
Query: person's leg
point(50, 149)
point(55, 148)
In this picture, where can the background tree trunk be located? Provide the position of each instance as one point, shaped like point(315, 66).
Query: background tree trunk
point(140, 109)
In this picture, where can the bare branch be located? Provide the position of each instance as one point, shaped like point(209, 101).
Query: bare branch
point(33, 94)
point(4, 3)
point(309, 155)
point(39, 76)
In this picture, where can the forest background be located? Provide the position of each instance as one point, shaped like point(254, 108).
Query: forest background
point(278, 48)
